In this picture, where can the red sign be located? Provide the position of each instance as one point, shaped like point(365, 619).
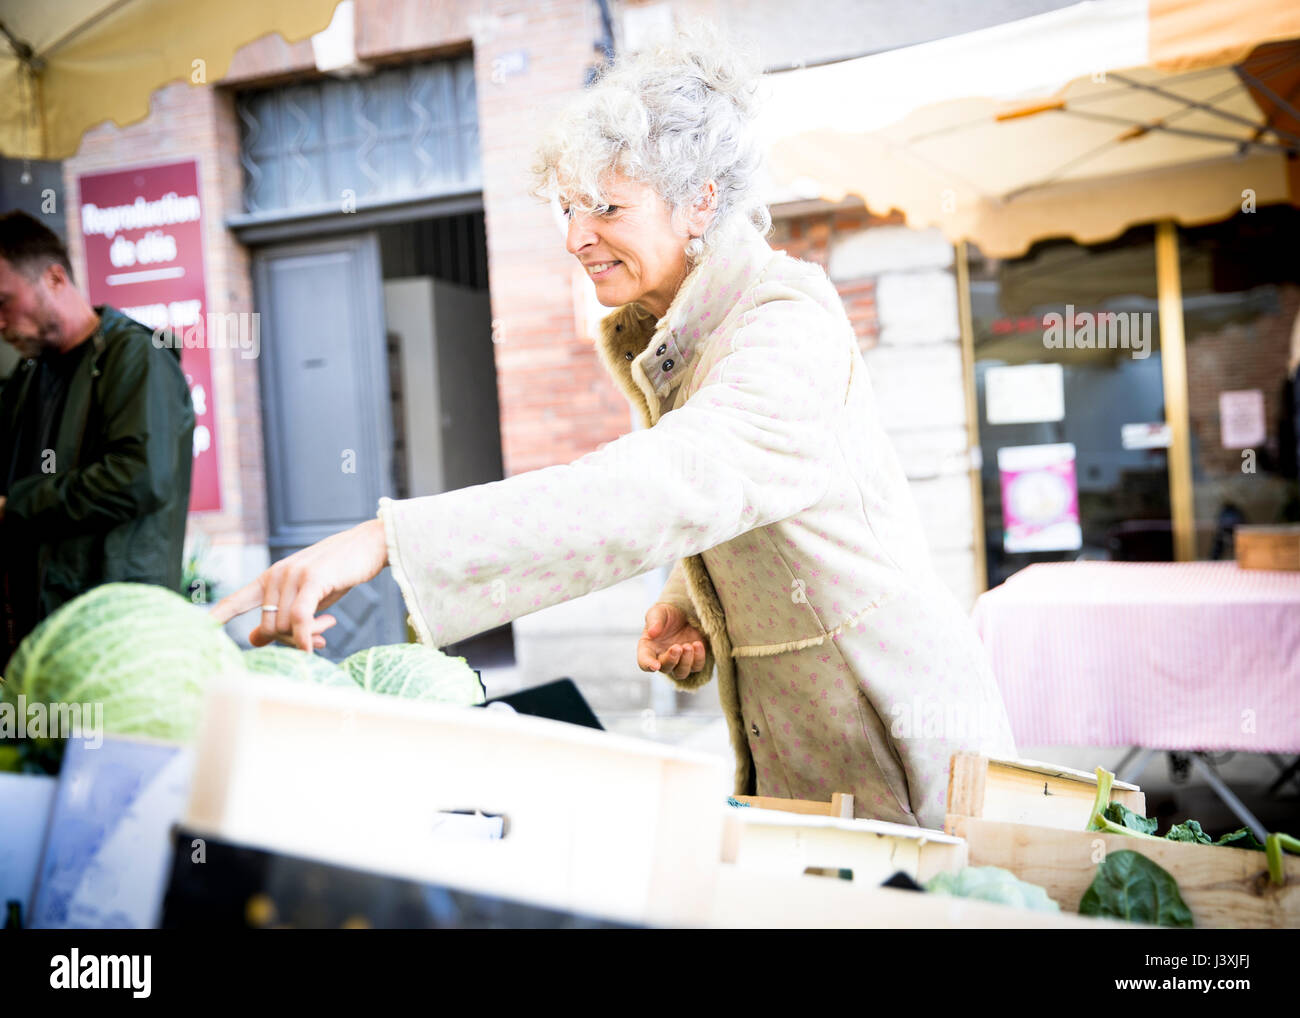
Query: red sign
point(143, 232)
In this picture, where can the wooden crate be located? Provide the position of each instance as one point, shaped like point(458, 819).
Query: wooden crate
point(1028, 792)
point(595, 823)
point(841, 804)
point(756, 900)
point(1030, 818)
point(785, 843)
point(1222, 886)
point(1268, 547)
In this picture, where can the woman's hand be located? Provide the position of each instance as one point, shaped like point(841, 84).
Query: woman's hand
point(295, 588)
point(669, 643)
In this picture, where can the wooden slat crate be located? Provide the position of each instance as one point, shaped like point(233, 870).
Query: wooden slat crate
point(756, 900)
point(1030, 818)
point(788, 843)
point(802, 863)
point(595, 823)
point(1268, 547)
point(841, 805)
point(1028, 792)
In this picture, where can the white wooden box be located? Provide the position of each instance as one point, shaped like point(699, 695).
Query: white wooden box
point(599, 824)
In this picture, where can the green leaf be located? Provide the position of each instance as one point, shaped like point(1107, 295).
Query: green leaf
point(1099, 821)
point(1132, 887)
point(292, 663)
point(415, 672)
point(1241, 838)
point(1120, 814)
point(1189, 830)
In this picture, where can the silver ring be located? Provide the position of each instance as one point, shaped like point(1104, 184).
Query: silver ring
point(270, 607)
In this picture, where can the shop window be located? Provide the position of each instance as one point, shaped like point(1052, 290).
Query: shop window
point(1070, 399)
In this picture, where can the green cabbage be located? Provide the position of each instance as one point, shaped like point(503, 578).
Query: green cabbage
point(144, 652)
point(415, 672)
point(992, 883)
point(147, 654)
point(292, 663)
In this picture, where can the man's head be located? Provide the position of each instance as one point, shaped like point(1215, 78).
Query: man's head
point(39, 306)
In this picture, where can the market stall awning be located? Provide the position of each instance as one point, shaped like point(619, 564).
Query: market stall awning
point(1079, 122)
point(68, 65)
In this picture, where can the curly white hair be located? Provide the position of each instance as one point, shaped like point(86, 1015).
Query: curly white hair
point(674, 116)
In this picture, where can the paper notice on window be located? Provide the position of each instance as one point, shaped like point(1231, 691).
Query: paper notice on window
point(1154, 435)
point(1024, 394)
point(1242, 423)
point(1040, 498)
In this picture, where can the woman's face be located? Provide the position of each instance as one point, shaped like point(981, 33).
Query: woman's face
point(632, 251)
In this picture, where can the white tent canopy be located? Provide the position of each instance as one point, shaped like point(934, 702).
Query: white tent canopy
point(1079, 122)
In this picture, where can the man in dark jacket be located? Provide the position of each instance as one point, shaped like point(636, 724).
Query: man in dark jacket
point(96, 433)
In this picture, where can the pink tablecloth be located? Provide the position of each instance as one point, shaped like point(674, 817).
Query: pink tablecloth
point(1187, 655)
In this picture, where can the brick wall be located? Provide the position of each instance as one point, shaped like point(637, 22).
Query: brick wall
point(198, 122)
point(1236, 357)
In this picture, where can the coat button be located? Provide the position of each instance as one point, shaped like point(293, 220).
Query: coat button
point(662, 348)
point(754, 728)
point(668, 364)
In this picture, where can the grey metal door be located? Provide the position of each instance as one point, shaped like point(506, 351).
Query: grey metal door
point(326, 412)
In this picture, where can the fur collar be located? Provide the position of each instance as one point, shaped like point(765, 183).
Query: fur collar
point(646, 356)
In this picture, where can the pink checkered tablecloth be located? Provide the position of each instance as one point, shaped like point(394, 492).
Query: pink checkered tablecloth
point(1166, 655)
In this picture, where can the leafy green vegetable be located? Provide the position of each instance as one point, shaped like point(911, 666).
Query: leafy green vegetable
point(1118, 813)
point(992, 883)
point(1114, 818)
point(1276, 842)
point(292, 663)
point(1130, 886)
point(1241, 838)
point(1191, 831)
point(1100, 820)
point(143, 652)
point(408, 670)
point(415, 672)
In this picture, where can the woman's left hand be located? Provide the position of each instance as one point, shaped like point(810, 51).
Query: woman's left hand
point(669, 643)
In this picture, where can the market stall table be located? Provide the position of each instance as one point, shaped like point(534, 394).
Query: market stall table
point(1185, 656)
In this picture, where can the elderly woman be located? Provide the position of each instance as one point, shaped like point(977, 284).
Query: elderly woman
point(801, 574)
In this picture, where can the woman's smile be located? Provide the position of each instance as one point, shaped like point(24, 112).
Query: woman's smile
point(600, 270)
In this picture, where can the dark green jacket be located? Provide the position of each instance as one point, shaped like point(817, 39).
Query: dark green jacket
point(114, 508)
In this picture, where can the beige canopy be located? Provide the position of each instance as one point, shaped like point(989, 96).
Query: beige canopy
point(1076, 123)
point(68, 65)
